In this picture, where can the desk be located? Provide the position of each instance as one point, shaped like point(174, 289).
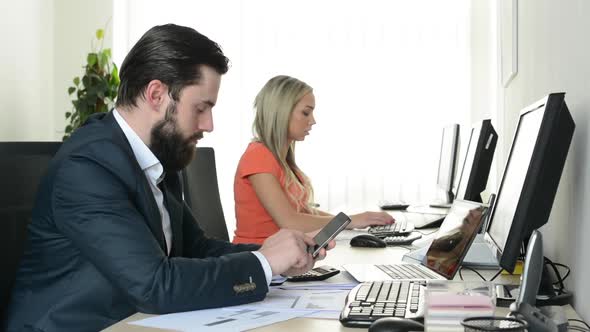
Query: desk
point(342, 254)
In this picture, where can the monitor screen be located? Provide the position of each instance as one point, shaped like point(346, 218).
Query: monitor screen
point(531, 176)
point(454, 237)
point(514, 175)
point(474, 174)
point(447, 161)
point(468, 163)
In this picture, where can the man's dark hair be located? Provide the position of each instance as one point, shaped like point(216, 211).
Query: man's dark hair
point(172, 54)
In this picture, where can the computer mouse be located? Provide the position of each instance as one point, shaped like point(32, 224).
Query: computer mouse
point(367, 241)
point(392, 324)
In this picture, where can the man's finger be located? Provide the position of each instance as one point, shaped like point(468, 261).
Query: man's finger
point(331, 245)
point(321, 255)
point(309, 240)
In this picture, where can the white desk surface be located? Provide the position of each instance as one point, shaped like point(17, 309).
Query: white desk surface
point(342, 254)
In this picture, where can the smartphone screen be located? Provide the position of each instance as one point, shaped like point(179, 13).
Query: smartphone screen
point(329, 232)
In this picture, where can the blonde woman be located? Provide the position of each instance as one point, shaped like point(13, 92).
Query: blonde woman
point(270, 190)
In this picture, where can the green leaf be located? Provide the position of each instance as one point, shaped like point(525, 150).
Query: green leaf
point(77, 80)
point(91, 101)
point(99, 34)
point(68, 114)
point(71, 90)
point(69, 129)
point(74, 117)
point(115, 77)
point(107, 52)
point(91, 59)
point(109, 102)
point(82, 108)
point(104, 60)
point(86, 81)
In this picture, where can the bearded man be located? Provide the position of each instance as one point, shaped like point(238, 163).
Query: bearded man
point(110, 234)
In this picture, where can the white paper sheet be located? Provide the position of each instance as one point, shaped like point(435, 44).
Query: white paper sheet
point(301, 300)
point(326, 314)
point(279, 305)
point(218, 320)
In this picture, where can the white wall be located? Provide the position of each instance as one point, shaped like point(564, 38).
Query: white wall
point(378, 69)
point(554, 56)
point(483, 63)
point(553, 53)
point(44, 44)
point(26, 70)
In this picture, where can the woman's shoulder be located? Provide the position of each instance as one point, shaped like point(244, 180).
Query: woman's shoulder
point(257, 155)
point(256, 148)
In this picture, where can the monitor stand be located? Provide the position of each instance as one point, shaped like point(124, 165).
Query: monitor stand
point(546, 319)
point(444, 203)
point(440, 205)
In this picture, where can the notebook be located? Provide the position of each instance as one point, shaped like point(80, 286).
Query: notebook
point(445, 254)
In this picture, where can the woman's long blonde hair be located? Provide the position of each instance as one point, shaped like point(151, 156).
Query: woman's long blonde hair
point(274, 104)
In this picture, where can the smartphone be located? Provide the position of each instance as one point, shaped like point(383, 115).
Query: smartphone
point(329, 232)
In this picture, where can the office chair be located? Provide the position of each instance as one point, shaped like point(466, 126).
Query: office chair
point(22, 164)
point(201, 193)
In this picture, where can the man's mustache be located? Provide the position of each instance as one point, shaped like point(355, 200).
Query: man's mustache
point(198, 135)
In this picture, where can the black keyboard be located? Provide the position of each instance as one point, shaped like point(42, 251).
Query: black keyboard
point(398, 227)
point(370, 301)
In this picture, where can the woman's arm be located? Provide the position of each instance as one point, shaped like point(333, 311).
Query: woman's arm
point(323, 213)
point(275, 201)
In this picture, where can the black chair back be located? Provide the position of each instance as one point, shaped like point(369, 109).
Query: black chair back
point(201, 192)
point(22, 164)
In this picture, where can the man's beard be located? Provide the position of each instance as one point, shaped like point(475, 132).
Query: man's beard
point(168, 145)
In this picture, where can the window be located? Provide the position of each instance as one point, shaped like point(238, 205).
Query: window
point(387, 75)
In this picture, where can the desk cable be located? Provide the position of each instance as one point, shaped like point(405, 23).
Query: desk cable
point(562, 293)
point(578, 328)
point(470, 269)
point(425, 233)
point(560, 279)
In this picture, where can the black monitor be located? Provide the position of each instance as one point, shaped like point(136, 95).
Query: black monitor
point(531, 176)
point(447, 163)
point(478, 161)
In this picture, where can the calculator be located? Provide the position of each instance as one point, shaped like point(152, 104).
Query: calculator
point(319, 273)
point(402, 239)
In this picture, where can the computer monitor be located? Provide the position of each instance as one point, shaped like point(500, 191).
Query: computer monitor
point(531, 176)
point(478, 161)
point(447, 164)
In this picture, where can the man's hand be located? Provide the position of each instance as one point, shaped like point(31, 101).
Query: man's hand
point(286, 252)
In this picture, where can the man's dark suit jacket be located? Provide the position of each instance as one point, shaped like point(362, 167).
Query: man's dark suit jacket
point(95, 252)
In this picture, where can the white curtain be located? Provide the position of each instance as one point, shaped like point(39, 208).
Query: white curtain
point(387, 75)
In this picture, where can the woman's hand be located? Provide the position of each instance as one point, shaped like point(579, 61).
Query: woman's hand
point(366, 219)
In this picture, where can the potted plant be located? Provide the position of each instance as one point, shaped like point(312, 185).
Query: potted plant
point(97, 90)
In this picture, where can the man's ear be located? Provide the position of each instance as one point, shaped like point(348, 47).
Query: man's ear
point(156, 94)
